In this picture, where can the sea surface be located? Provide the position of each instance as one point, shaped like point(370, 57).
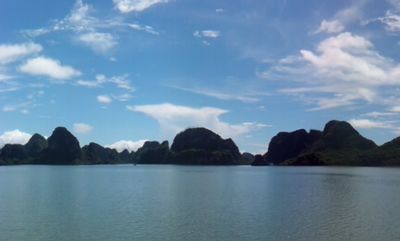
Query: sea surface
point(183, 203)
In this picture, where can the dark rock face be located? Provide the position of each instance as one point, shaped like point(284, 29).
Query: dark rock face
point(96, 154)
point(63, 148)
point(287, 145)
point(35, 146)
point(340, 135)
point(12, 154)
point(260, 160)
point(340, 144)
point(125, 157)
point(247, 158)
point(386, 155)
point(200, 146)
point(152, 152)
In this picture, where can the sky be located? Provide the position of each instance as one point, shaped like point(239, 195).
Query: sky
point(119, 72)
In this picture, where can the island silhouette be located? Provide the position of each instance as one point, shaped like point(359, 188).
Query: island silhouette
point(337, 144)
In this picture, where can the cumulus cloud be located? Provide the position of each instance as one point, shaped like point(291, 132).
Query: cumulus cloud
point(127, 6)
point(127, 145)
point(48, 67)
point(82, 128)
point(12, 52)
point(349, 57)
point(334, 26)
point(14, 137)
point(99, 42)
point(174, 118)
point(343, 70)
point(104, 99)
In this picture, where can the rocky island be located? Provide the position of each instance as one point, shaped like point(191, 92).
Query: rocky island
point(337, 144)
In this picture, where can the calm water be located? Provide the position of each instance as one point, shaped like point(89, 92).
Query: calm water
point(198, 203)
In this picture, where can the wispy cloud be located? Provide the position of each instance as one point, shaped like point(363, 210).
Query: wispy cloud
point(333, 26)
point(174, 118)
point(127, 6)
point(206, 33)
point(342, 18)
point(145, 28)
point(377, 114)
point(23, 107)
point(99, 34)
point(371, 124)
point(245, 98)
point(120, 81)
point(12, 52)
point(32, 100)
point(391, 20)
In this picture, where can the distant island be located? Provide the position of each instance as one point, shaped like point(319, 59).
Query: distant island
point(338, 144)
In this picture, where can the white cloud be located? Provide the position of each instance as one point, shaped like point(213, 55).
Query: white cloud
point(98, 33)
point(88, 83)
point(377, 114)
point(342, 18)
point(343, 70)
point(127, 6)
point(395, 4)
point(12, 52)
point(352, 13)
point(333, 26)
point(391, 20)
point(127, 145)
point(104, 99)
point(48, 67)
point(174, 118)
point(145, 28)
point(245, 98)
point(395, 109)
point(123, 97)
point(99, 42)
point(120, 81)
point(207, 33)
point(82, 128)
point(351, 58)
point(14, 137)
point(21, 107)
point(5, 77)
point(370, 124)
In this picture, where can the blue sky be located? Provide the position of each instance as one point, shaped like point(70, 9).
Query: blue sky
point(119, 72)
